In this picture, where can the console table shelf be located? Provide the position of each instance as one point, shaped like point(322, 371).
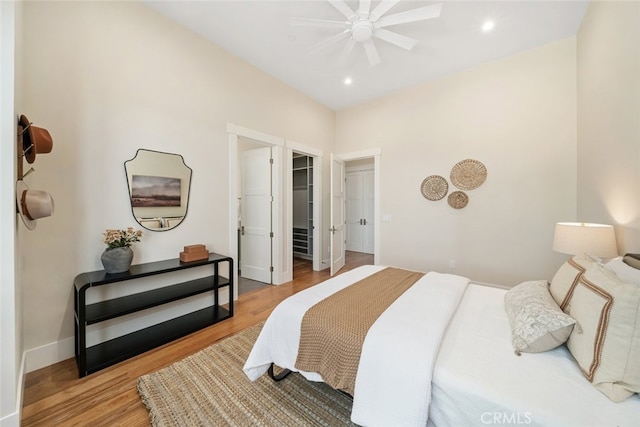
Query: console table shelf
point(96, 357)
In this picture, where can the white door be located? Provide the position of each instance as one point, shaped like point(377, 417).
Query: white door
point(337, 231)
point(255, 225)
point(369, 211)
point(360, 211)
point(355, 211)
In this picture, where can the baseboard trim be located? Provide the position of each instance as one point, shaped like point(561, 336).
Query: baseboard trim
point(49, 354)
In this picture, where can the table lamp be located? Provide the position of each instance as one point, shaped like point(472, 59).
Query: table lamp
point(583, 239)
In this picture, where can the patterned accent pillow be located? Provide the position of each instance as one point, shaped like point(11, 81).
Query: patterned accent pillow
point(607, 345)
point(537, 322)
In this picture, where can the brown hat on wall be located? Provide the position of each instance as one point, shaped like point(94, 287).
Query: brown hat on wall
point(33, 204)
point(34, 139)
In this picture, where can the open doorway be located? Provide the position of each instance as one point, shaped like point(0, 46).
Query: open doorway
point(236, 135)
point(281, 234)
point(362, 186)
point(304, 170)
point(302, 211)
point(255, 211)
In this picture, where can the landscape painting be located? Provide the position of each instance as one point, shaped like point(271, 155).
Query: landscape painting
point(155, 191)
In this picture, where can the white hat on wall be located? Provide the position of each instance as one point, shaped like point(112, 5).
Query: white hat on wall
point(33, 204)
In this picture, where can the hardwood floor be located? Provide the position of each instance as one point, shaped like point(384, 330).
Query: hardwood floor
point(55, 396)
point(247, 285)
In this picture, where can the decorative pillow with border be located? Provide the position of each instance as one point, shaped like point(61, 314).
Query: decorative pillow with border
point(537, 323)
point(606, 340)
point(566, 278)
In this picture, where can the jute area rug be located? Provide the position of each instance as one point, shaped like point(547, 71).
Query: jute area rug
point(209, 388)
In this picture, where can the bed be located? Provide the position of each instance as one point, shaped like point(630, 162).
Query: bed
point(442, 354)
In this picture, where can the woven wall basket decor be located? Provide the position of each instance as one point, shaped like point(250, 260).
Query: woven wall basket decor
point(468, 174)
point(458, 199)
point(434, 187)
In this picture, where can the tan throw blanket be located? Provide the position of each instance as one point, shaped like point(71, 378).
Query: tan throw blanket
point(333, 330)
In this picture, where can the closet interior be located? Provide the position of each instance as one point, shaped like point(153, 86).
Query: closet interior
point(302, 206)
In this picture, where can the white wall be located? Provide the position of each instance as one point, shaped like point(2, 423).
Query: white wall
point(517, 116)
point(609, 119)
point(107, 78)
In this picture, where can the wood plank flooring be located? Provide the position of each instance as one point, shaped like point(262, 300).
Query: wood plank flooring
point(55, 396)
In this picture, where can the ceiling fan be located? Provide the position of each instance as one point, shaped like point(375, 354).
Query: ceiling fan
point(364, 24)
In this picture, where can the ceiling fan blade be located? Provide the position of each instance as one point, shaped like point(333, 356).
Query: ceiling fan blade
point(343, 8)
point(346, 51)
point(324, 23)
point(412, 15)
point(395, 38)
point(331, 40)
point(382, 8)
point(365, 7)
point(372, 52)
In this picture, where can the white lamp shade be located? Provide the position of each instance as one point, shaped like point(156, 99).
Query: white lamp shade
point(579, 238)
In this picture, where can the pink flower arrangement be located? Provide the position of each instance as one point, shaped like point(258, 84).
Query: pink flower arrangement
point(121, 238)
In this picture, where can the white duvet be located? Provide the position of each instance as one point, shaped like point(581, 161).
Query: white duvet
point(393, 383)
point(479, 381)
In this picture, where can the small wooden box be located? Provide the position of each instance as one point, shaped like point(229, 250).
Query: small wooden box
point(193, 256)
point(195, 248)
point(194, 253)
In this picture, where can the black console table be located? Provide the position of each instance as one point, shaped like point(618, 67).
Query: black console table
point(94, 358)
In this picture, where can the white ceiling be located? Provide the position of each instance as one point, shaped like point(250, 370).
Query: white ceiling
point(260, 32)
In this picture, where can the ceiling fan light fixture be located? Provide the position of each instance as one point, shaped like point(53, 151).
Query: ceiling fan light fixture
point(364, 24)
point(362, 30)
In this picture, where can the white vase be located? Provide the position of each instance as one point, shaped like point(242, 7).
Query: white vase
point(117, 260)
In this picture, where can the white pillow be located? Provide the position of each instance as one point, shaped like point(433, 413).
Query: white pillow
point(537, 322)
point(624, 271)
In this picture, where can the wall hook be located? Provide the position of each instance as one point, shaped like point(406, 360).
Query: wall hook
point(28, 172)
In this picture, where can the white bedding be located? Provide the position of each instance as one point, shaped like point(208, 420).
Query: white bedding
point(394, 375)
point(478, 380)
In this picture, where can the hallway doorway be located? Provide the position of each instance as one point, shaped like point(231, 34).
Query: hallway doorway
point(364, 221)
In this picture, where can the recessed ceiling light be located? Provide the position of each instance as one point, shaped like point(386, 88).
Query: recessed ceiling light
point(488, 26)
point(348, 81)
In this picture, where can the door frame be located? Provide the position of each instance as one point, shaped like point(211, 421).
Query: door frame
point(376, 154)
point(337, 261)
